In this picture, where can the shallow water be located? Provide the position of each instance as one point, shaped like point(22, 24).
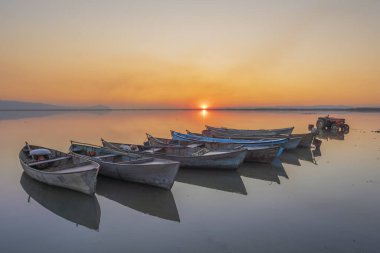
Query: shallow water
point(323, 200)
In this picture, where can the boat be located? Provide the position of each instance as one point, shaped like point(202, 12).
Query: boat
point(292, 143)
point(153, 201)
point(248, 132)
point(56, 168)
point(187, 157)
point(79, 208)
point(245, 143)
point(254, 154)
point(128, 166)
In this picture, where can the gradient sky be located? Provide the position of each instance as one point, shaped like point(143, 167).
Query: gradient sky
point(186, 53)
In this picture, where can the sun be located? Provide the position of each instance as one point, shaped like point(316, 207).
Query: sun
point(204, 106)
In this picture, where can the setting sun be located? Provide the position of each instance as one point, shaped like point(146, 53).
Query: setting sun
point(204, 106)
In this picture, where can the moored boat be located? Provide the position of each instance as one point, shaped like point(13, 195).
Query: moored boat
point(249, 132)
point(128, 166)
point(245, 143)
point(254, 154)
point(56, 168)
point(293, 141)
point(196, 157)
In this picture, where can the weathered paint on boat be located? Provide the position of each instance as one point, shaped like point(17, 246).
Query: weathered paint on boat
point(188, 157)
point(292, 143)
point(248, 132)
point(258, 154)
point(129, 167)
point(246, 143)
point(70, 172)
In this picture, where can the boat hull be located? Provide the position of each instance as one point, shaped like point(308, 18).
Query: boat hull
point(84, 181)
point(224, 160)
point(245, 143)
point(262, 155)
point(248, 133)
point(159, 173)
point(217, 159)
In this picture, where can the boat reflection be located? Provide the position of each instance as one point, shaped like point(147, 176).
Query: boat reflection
point(74, 206)
point(331, 135)
point(229, 181)
point(293, 157)
point(146, 199)
point(266, 172)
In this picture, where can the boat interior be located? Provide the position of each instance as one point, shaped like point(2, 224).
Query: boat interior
point(49, 160)
point(167, 150)
point(107, 155)
point(153, 141)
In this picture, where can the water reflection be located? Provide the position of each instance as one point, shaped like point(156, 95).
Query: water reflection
point(150, 200)
point(266, 172)
point(229, 181)
point(70, 205)
point(293, 157)
point(331, 135)
point(14, 115)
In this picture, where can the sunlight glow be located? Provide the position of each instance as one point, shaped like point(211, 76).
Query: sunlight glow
point(204, 112)
point(204, 106)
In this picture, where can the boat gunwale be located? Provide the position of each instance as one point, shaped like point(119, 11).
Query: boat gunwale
point(280, 141)
point(227, 152)
point(60, 171)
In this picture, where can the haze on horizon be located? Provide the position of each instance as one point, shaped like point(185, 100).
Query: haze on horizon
point(189, 53)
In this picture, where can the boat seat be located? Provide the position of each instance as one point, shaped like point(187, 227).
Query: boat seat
point(194, 145)
point(152, 150)
point(200, 152)
point(105, 156)
point(49, 160)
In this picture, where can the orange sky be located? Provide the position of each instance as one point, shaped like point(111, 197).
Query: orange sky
point(188, 53)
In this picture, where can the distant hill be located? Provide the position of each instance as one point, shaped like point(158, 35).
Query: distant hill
point(11, 105)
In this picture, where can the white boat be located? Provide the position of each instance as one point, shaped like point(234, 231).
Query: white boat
point(56, 168)
point(128, 166)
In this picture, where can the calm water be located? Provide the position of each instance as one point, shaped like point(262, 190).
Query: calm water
point(323, 200)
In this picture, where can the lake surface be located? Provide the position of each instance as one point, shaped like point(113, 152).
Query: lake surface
point(325, 200)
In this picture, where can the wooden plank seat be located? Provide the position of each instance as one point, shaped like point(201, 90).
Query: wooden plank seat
point(106, 156)
point(49, 160)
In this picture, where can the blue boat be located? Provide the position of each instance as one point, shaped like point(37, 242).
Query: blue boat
point(246, 143)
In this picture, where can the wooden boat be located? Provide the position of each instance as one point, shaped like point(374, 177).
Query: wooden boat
point(154, 201)
point(73, 206)
point(128, 166)
point(305, 142)
point(248, 133)
point(188, 157)
point(254, 154)
point(292, 143)
point(245, 143)
point(56, 168)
